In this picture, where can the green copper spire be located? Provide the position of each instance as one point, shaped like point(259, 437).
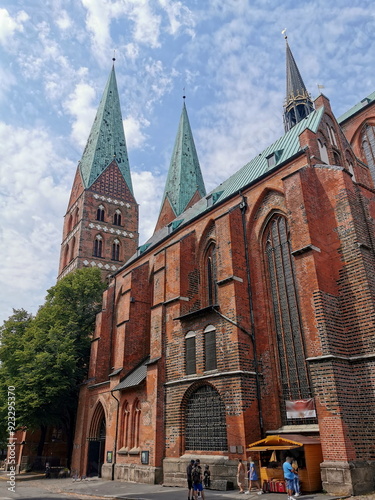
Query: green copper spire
point(184, 177)
point(106, 141)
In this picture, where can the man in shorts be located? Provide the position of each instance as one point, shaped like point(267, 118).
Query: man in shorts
point(289, 475)
point(197, 477)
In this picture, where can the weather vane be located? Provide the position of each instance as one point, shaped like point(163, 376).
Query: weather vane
point(184, 96)
point(114, 54)
point(284, 33)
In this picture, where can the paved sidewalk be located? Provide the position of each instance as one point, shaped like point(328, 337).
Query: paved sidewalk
point(99, 488)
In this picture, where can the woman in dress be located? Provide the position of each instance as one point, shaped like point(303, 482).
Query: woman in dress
point(240, 475)
point(253, 476)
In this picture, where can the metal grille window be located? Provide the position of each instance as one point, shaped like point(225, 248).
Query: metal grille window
point(368, 145)
point(210, 348)
point(190, 353)
point(294, 375)
point(205, 423)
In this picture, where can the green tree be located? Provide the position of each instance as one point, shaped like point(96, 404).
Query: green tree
point(52, 356)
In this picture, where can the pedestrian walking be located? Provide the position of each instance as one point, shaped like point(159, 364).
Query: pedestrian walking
point(240, 475)
point(252, 476)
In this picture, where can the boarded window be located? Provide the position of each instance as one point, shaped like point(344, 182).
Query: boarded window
point(210, 348)
point(190, 353)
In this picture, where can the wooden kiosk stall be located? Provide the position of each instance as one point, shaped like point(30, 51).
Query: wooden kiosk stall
point(272, 452)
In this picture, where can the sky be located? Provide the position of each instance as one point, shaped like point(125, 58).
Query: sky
point(226, 56)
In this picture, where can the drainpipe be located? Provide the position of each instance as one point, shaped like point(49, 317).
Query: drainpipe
point(116, 434)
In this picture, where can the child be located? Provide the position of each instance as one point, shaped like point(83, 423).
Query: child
point(207, 476)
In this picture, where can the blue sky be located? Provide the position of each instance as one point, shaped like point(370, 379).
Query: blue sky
point(229, 55)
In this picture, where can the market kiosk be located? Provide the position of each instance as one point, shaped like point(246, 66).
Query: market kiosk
point(272, 452)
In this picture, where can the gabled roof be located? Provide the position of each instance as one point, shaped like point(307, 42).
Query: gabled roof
point(184, 175)
point(106, 141)
point(352, 111)
point(284, 148)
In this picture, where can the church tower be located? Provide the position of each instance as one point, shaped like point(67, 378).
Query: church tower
point(101, 222)
point(184, 185)
point(298, 102)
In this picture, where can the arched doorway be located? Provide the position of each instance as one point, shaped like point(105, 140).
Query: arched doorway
point(96, 448)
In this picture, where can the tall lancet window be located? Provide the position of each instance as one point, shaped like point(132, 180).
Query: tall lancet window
point(100, 213)
point(98, 246)
point(368, 146)
point(210, 275)
point(117, 218)
point(287, 324)
point(116, 250)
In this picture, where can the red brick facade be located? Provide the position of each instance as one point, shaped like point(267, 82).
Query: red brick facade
point(215, 275)
point(115, 228)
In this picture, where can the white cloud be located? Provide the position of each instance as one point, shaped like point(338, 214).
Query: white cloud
point(148, 190)
point(63, 21)
point(34, 193)
point(179, 16)
point(10, 25)
point(80, 105)
point(135, 138)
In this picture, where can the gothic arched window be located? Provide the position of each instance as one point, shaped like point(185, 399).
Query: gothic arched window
point(287, 325)
point(117, 218)
point(116, 250)
point(136, 423)
point(210, 348)
point(98, 246)
point(190, 353)
point(368, 146)
point(323, 152)
point(210, 275)
point(100, 213)
point(126, 425)
point(205, 421)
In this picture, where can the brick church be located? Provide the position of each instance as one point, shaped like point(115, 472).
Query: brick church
point(248, 316)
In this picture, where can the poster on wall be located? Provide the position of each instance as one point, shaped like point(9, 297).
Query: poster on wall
point(301, 408)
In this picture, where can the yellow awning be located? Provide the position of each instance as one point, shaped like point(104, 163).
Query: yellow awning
point(274, 443)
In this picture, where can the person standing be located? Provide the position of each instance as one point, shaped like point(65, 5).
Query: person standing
point(207, 476)
point(240, 475)
point(197, 477)
point(296, 485)
point(289, 477)
point(189, 469)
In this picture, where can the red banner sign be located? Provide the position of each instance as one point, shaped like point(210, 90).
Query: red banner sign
point(302, 408)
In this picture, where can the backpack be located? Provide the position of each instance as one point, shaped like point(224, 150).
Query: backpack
point(196, 475)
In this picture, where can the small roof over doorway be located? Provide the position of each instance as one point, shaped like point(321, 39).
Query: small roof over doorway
point(274, 443)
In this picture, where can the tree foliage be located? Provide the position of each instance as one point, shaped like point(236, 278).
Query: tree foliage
point(45, 358)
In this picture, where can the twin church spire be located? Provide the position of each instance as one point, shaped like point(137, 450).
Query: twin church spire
point(101, 223)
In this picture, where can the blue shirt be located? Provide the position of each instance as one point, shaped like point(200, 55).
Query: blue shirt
point(288, 471)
